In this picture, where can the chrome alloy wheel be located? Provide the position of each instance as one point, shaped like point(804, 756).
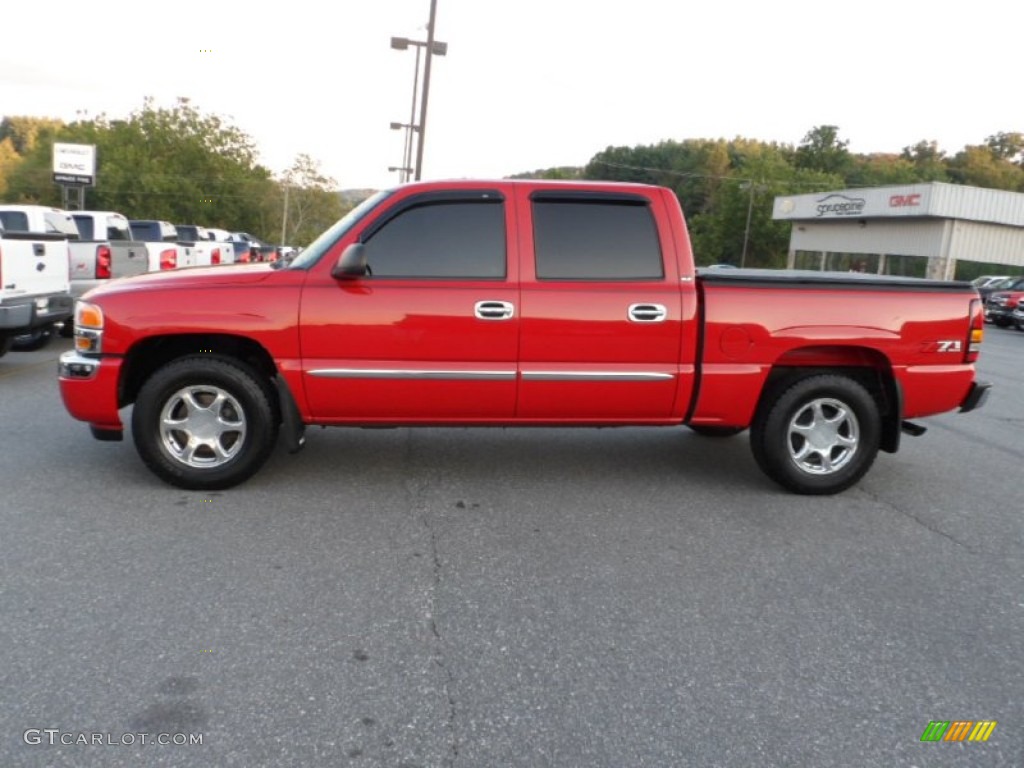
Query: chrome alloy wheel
point(202, 426)
point(823, 436)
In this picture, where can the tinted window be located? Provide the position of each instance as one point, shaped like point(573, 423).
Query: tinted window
point(14, 221)
point(152, 232)
point(84, 224)
point(147, 231)
point(118, 230)
point(58, 223)
point(441, 239)
point(595, 240)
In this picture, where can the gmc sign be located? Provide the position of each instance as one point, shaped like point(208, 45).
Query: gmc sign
point(904, 201)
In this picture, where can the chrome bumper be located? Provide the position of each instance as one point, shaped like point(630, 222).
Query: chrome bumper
point(75, 366)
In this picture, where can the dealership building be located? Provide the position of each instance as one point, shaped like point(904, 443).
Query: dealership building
point(936, 230)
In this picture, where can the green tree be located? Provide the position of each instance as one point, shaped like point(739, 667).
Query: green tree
point(930, 163)
point(310, 199)
point(1007, 146)
point(176, 164)
point(24, 131)
point(822, 150)
point(879, 170)
point(982, 166)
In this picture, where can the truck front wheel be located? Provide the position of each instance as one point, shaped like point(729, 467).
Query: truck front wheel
point(819, 437)
point(204, 423)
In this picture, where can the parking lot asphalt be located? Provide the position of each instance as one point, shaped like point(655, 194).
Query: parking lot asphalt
point(510, 597)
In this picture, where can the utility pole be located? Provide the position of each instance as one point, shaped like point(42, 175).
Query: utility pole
point(284, 216)
point(426, 89)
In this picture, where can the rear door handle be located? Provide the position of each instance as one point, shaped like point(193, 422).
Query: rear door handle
point(494, 310)
point(647, 313)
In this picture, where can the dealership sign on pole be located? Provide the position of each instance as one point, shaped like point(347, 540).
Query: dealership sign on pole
point(74, 164)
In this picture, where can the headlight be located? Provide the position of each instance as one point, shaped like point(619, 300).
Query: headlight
point(88, 328)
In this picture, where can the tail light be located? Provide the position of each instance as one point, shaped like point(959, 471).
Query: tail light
point(215, 256)
point(168, 259)
point(976, 333)
point(102, 263)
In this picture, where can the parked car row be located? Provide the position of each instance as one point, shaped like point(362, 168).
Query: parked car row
point(83, 249)
point(1004, 303)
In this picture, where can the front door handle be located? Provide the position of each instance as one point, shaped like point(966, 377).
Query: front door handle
point(647, 313)
point(494, 310)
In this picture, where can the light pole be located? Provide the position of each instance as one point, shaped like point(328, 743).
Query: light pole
point(434, 48)
point(410, 129)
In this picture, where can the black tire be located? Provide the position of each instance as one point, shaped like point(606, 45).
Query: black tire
point(1002, 322)
point(245, 420)
point(848, 418)
point(67, 328)
point(5, 345)
point(35, 339)
point(706, 431)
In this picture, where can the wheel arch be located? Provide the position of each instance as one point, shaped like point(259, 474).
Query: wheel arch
point(152, 353)
point(870, 367)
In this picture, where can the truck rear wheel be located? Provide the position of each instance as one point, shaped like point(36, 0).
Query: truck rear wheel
point(204, 423)
point(819, 437)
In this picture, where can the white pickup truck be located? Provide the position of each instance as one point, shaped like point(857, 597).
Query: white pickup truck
point(114, 254)
point(209, 253)
point(161, 241)
point(239, 249)
point(34, 285)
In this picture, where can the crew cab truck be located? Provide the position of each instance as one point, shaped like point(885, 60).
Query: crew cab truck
point(34, 285)
point(37, 221)
point(516, 303)
point(162, 246)
point(222, 240)
point(115, 254)
point(93, 256)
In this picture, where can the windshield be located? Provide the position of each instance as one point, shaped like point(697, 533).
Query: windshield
point(316, 249)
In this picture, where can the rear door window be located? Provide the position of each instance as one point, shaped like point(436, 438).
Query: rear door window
point(596, 239)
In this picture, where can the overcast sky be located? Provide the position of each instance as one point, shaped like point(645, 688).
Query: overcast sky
point(526, 84)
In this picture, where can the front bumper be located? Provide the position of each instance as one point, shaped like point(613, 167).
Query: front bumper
point(976, 396)
point(88, 387)
point(26, 313)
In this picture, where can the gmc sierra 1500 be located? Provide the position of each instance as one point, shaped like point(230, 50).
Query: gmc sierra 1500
point(34, 284)
point(513, 303)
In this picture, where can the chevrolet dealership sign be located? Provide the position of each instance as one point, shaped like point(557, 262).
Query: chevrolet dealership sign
point(74, 164)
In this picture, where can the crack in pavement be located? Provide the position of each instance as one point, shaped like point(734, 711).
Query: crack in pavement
point(906, 513)
point(420, 510)
point(449, 678)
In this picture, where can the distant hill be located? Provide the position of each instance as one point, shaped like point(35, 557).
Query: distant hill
point(563, 172)
point(351, 197)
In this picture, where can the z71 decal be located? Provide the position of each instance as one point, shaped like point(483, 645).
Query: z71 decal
point(943, 346)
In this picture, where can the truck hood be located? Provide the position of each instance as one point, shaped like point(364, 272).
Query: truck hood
point(189, 277)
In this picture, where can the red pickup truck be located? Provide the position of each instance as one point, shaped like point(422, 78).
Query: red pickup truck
point(516, 303)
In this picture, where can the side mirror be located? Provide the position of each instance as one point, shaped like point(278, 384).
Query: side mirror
point(351, 263)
